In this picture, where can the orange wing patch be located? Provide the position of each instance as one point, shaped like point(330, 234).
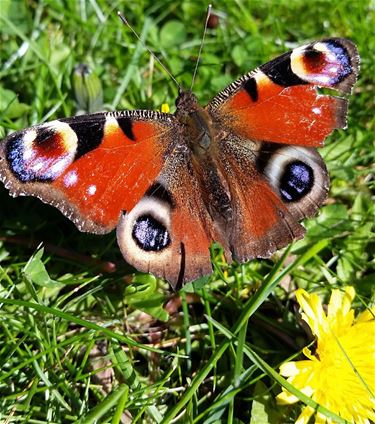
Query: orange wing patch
point(169, 232)
point(113, 177)
point(90, 167)
point(261, 222)
point(290, 115)
point(193, 230)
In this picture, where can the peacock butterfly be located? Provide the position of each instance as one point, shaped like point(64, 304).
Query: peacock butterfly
point(242, 171)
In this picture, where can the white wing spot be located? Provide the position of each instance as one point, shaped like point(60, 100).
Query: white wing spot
point(70, 179)
point(317, 110)
point(28, 153)
point(91, 190)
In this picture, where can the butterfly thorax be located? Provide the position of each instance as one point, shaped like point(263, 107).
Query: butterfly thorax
point(197, 123)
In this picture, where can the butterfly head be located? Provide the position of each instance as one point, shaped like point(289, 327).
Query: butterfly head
point(186, 103)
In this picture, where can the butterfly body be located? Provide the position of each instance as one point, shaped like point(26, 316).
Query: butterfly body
point(201, 136)
point(241, 171)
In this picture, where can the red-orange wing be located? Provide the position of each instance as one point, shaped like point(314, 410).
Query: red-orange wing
point(91, 167)
point(269, 123)
point(278, 102)
point(271, 190)
point(169, 232)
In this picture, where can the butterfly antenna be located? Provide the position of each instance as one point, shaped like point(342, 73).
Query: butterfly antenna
point(201, 46)
point(125, 22)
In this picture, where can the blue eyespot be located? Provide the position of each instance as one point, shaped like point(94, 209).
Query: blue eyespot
point(342, 58)
point(150, 234)
point(17, 163)
point(296, 181)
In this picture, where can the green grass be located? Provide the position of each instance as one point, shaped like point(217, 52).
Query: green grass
point(75, 341)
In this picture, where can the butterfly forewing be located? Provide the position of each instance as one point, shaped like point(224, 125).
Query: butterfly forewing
point(91, 167)
point(278, 102)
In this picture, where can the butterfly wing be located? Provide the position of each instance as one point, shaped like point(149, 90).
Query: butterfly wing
point(270, 120)
point(91, 167)
point(169, 232)
point(271, 189)
point(279, 101)
point(126, 169)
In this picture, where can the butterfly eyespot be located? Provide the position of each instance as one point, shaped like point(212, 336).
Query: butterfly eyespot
point(144, 232)
point(297, 175)
point(296, 181)
point(324, 63)
point(41, 154)
point(150, 234)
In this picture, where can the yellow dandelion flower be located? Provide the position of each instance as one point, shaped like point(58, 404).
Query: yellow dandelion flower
point(341, 374)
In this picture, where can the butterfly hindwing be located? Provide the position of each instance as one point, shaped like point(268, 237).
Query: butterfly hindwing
point(272, 187)
point(169, 232)
point(91, 167)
